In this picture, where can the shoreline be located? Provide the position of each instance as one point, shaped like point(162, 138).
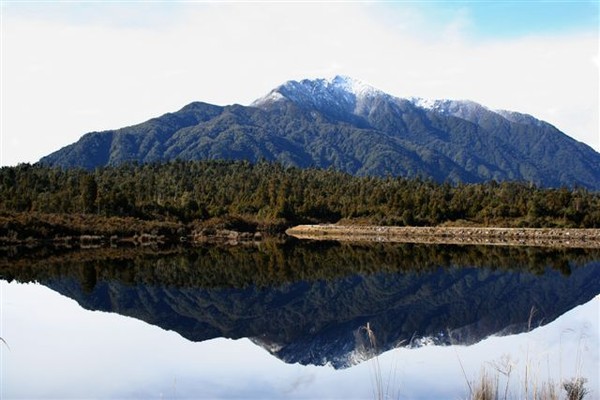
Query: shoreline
point(92, 231)
point(541, 237)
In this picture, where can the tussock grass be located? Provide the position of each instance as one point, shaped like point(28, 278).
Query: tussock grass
point(486, 387)
point(575, 388)
point(383, 388)
point(532, 387)
point(494, 381)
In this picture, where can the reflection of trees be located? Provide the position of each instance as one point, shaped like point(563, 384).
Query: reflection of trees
point(305, 301)
point(275, 262)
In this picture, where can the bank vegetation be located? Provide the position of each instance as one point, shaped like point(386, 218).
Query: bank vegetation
point(193, 198)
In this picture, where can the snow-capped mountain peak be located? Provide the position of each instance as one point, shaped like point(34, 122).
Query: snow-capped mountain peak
point(351, 85)
point(340, 93)
point(347, 97)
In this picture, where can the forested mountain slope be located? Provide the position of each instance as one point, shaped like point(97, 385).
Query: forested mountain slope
point(355, 128)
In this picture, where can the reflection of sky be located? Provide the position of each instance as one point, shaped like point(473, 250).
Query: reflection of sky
point(58, 350)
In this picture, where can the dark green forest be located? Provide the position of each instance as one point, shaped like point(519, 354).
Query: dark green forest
point(263, 193)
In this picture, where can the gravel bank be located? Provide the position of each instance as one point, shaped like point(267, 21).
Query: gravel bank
point(548, 237)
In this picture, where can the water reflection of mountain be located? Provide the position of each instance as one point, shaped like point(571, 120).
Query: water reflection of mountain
point(305, 302)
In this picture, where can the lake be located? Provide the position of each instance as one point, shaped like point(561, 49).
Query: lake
point(296, 319)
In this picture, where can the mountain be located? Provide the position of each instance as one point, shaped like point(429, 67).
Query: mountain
point(351, 126)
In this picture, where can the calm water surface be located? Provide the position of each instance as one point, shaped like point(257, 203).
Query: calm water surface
point(289, 320)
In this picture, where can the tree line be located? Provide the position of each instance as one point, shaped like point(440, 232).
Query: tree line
point(196, 191)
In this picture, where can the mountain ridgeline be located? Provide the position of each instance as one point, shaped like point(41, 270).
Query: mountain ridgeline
point(344, 124)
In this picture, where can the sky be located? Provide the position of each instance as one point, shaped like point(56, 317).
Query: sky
point(72, 67)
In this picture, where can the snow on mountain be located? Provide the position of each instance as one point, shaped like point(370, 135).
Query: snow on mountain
point(340, 93)
point(521, 118)
point(465, 109)
point(472, 111)
point(427, 104)
point(343, 94)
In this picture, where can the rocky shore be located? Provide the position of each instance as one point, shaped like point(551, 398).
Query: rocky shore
point(547, 237)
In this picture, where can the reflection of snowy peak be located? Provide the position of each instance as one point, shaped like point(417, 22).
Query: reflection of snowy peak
point(324, 322)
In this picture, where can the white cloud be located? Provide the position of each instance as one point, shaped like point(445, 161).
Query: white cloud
point(62, 78)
